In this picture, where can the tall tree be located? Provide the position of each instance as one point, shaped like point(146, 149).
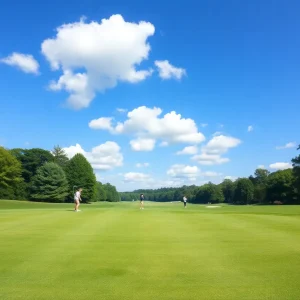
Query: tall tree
point(209, 193)
point(244, 191)
point(50, 183)
point(296, 172)
point(31, 160)
point(10, 174)
point(281, 186)
point(60, 156)
point(80, 175)
point(261, 176)
point(228, 190)
point(111, 193)
point(101, 194)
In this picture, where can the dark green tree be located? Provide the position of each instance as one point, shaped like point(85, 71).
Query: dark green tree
point(296, 172)
point(244, 191)
point(60, 156)
point(281, 187)
point(209, 193)
point(111, 193)
point(101, 194)
point(228, 190)
point(31, 160)
point(80, 175)
point(10, 174)
point(49, 184)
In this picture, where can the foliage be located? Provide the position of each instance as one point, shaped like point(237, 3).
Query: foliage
point(111, 193)
point(244, 191)
point(10, 174)
point(31, 160)
point(101, 194)
point(296, 172)
point(209, 193)
point(49, 184)
point(281, 186)
point(80, 175)
point(60, 156)
point(228, 187)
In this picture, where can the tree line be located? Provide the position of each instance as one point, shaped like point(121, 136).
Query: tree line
point(280, 187)
point(50, 176)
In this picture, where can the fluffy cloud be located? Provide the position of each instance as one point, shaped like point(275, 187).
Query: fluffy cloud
point(102, 123)
point(280, 166)
point(108, 52)
point(250, 128)
point(122, 110)
point(168, 71)
point(141, 144)
point(261, 167)
point(210, 174)
point(210, 159)
point(183, 171)
point(212, 151)
point(287, 146)
point(24, 62)
point(221, 144)
point(103, 157)
point(146, 124)
point(189, 150)
point(137, 177)
point(140, 165)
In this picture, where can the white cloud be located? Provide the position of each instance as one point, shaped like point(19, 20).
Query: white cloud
point(221, 144)
point(210, 159)
point(24, 62)
point(183, 171)
point(168, 71)
point(203, 124)
point(102, 123)
point(137, 177)
point(287, 146)
point(140, 165)
point(210, 174)
point(212, 151)
point(250, 128)
point(189, 150)
point(261, 167)
point(141, 144)
point(281, 166)
point(217, 133)
point(122, 110)
point(233, 178)
point(103, 157)
point(108, 52)
point(146, 124)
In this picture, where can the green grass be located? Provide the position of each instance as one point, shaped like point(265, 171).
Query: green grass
point(115, 251)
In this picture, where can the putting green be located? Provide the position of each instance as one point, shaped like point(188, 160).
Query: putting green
point(116, 251)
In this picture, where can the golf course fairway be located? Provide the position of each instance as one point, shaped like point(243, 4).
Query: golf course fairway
point(117, 251)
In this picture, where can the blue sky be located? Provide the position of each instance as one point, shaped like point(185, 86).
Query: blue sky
point(229, 65)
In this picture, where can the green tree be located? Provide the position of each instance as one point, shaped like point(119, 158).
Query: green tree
point(101, 194)
point(209, 193)
point(244, 191)
point(296, 172)
point(10, 174)
point(228, 190)
point(50, 184)
point(111, 193)
point(60, 156)
point(80, 175)
point(31, 160)
point(261, 176)
point(281, 186)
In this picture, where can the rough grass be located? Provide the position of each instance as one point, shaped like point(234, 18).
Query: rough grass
point(115, 251)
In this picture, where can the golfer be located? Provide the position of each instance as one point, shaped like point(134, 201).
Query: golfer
point(184, 201)
point(142, 201)
point(77, 199)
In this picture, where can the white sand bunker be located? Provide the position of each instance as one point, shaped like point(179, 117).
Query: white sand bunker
point(212, 206)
